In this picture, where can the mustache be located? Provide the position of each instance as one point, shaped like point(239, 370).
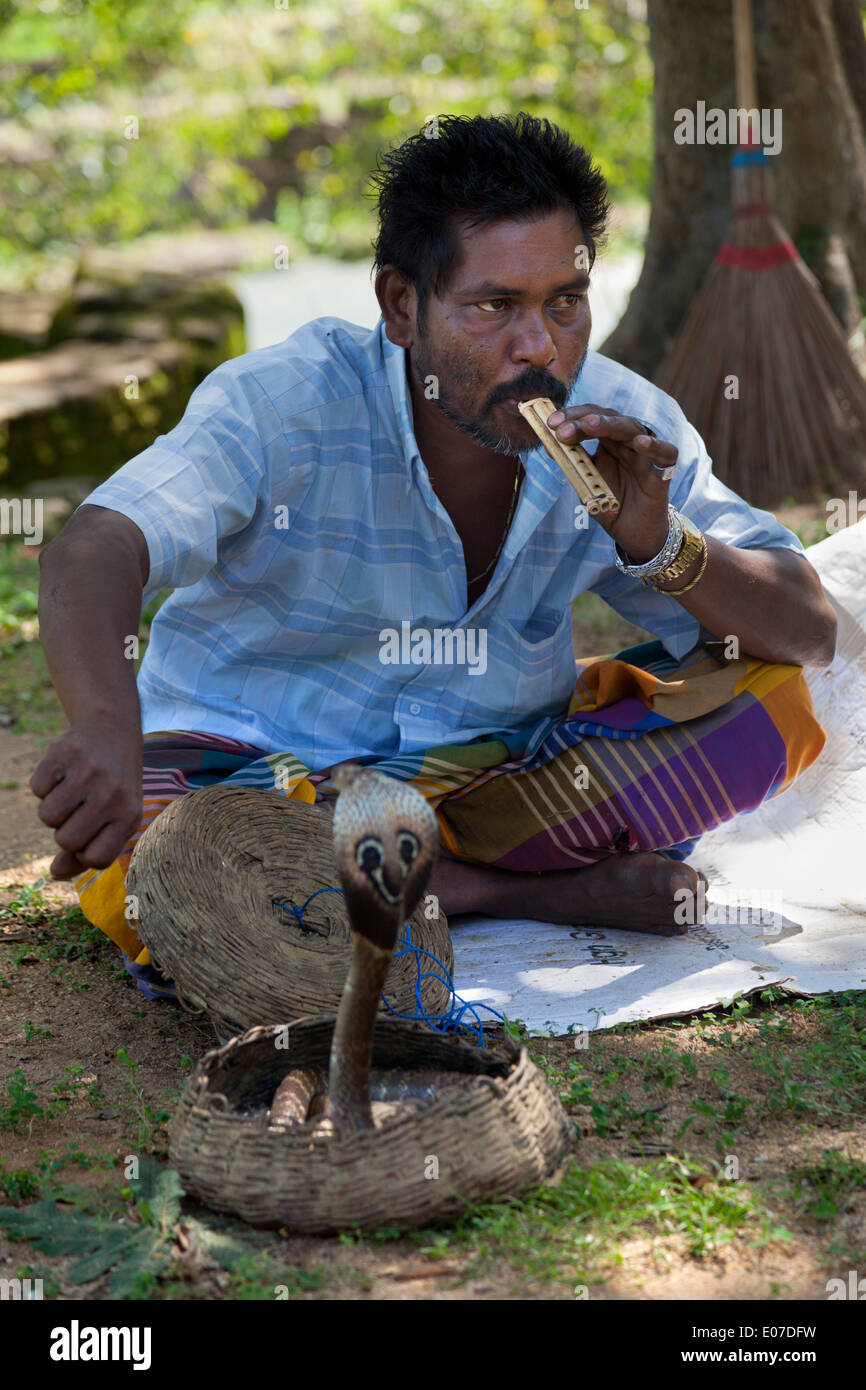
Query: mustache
point(539, 384)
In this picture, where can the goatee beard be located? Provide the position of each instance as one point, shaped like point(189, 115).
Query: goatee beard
point(500, 443)
point(496, 443)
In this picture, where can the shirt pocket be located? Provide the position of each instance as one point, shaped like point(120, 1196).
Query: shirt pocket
point(534, 673)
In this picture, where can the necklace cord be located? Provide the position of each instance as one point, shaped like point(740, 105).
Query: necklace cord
point(508, 519)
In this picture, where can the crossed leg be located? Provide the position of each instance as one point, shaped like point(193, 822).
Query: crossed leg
point(640, 892)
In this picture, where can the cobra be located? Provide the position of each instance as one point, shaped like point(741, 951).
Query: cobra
point(386, 841)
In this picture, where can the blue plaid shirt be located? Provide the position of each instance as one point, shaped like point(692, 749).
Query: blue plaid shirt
point(292, 516)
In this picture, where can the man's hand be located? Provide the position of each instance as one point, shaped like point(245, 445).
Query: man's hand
point(770, 599)
point(89, 783)
point(629, 460)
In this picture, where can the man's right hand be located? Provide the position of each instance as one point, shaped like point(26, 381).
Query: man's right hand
point(89, 784)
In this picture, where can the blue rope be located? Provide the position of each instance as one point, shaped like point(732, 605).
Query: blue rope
point(299, 911)
point(452, 1020)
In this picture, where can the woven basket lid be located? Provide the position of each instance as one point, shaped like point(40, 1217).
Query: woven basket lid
point(216, 876)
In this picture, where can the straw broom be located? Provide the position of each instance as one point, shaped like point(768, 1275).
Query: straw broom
point(799, 422)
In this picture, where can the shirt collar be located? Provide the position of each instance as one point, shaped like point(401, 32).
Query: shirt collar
point(394, 358)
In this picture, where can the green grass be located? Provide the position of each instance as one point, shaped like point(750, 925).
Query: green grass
point(798, 1057)
point(146, 1122)
point(772, 1064)
point(19, 588)
point(18, 1185)
point(23, 1184)
point(64, 935)
point(25, 686)
point(570, 1233)
point(827, 1189)
point(22, 1100)
point(808, 1057)
point(830, 1078)
point(562, 1236)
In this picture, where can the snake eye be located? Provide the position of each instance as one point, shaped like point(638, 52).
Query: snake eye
point(408, 845)
point(369, 854)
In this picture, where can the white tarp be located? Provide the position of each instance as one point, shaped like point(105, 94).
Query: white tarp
point(787, 882)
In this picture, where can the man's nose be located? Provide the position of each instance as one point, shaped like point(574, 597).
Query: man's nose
point(533, 344)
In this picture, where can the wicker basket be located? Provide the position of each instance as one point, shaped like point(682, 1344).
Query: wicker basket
point(210, 874)
point(500, 1139)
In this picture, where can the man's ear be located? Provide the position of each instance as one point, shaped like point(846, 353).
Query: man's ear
point(398, 302)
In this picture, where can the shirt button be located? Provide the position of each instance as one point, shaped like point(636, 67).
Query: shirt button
point(414, 709)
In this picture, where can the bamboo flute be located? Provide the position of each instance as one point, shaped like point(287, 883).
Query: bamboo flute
point(574, 461)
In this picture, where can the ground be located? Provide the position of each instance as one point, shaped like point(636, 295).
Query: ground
point(717, 1157)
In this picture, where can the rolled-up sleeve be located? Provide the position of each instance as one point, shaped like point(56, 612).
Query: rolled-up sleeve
point(701, 496)
point(195, 485)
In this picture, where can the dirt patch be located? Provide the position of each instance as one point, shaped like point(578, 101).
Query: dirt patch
point(24, 840)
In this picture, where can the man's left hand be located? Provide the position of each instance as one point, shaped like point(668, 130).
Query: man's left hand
point(631, 463)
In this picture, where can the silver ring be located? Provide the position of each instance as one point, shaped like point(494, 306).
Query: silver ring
point(664, 473)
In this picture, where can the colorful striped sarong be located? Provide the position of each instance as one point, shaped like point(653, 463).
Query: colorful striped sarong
point(651, 753)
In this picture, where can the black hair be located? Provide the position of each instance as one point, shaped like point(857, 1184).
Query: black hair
point(481, 168)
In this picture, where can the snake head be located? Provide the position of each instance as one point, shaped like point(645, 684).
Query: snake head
point(386, 840)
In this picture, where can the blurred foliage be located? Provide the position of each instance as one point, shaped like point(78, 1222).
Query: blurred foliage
point(104, 427)
point(215, 87)
point(19, 591)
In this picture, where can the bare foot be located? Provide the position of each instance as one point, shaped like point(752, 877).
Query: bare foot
point(640, 892)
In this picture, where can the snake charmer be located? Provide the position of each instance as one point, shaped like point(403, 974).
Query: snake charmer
point(348, 484)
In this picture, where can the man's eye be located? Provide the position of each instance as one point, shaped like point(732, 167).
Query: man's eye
point(499, 301)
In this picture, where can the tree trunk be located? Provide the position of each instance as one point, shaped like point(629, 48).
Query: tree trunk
point(811, 64)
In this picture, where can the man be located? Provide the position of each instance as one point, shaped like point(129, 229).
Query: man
point(327, 506)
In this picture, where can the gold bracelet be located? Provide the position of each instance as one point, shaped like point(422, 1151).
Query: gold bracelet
point(675, 593)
